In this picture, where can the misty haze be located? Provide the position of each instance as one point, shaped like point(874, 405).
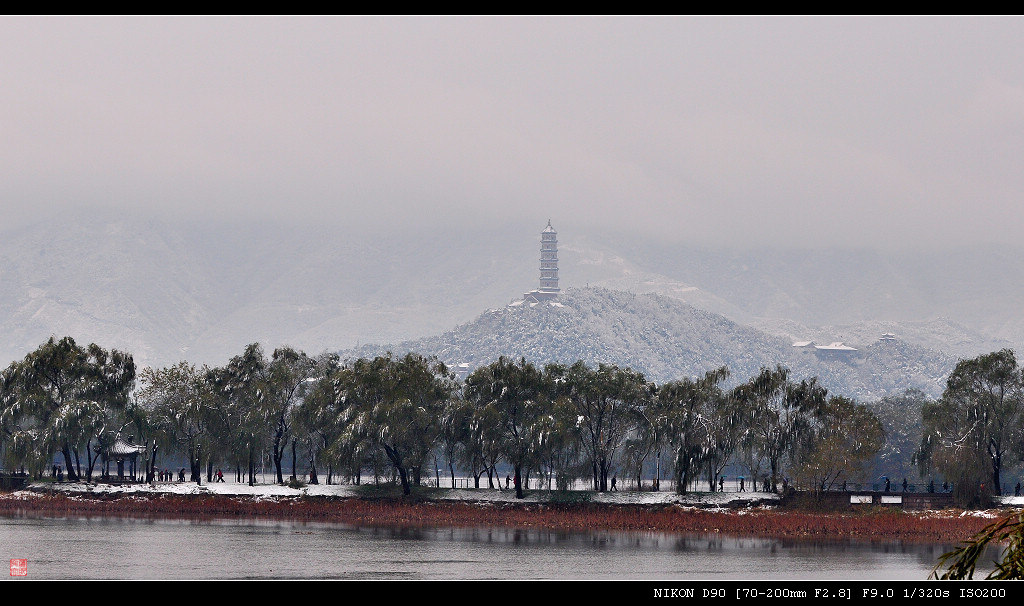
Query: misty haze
point(675, 197)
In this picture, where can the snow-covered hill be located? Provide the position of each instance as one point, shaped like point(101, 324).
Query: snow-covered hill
point(667, 339)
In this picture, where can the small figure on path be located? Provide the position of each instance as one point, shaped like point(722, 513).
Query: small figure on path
point(181, 474)
point(904, 485)
point(741, 484)
point(220, 476)
point(886, 483)
point(507, 480)
point(613, 484)
point(721, 484)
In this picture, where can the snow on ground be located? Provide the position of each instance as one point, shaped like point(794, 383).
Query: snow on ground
point(485, 495)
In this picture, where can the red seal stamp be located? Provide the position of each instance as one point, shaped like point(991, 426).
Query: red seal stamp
point(19, 568)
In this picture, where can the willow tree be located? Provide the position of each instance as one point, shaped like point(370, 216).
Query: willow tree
point(780, 411)
point(683, 413)
point(844, 438)
point(239, 413)
point(976, 425)
point(518, 399)
point(605, 400)
point(398, 407)
point(318, 414)
point(176, 399)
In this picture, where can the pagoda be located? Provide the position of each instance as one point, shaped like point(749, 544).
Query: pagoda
point(548, 266)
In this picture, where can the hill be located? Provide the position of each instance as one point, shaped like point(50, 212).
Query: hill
point(667, 339)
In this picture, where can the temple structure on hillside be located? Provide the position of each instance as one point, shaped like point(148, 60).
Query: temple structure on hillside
point(548, 267)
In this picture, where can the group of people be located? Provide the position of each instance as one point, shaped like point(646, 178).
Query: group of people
point(58, 473)
point(168, 476)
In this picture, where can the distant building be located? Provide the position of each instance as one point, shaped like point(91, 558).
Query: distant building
point(804, 345)
point(548, 267)
point(836, 347)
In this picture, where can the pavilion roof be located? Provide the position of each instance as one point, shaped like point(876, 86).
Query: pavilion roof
point(122, 448)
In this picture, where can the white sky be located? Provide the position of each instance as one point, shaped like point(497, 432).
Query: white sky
point(841, 130)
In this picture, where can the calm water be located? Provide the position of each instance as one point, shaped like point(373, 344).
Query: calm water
point(118, 548)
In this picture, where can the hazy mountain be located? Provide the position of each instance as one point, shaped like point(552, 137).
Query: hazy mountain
point(667, 339)
point(168, 289)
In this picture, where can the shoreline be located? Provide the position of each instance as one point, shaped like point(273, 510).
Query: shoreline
point(435, 508)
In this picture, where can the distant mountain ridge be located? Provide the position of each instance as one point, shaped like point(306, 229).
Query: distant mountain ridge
point(667, 339)
point(169, 289)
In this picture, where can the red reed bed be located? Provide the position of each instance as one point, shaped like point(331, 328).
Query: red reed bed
point(873, 525)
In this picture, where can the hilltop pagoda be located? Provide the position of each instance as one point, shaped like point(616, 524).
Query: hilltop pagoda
point(548, 267)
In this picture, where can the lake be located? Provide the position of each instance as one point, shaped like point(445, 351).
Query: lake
point(133, 548)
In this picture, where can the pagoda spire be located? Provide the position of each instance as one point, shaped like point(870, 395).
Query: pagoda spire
point(549, 261)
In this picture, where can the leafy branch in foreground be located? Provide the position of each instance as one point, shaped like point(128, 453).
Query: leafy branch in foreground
point(963, 560)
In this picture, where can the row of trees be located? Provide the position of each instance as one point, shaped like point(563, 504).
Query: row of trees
point(555, 424)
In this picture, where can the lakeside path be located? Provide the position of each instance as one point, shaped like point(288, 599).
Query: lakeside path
point(738, 514)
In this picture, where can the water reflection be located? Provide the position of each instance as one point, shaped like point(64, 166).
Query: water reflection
point(159, 548)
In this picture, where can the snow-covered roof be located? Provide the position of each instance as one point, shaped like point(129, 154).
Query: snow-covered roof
point(803, 343)
point(122, 448)
point(549, 229)
point(837, 346)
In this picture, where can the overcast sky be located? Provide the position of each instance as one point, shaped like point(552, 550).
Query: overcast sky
point(849, 131)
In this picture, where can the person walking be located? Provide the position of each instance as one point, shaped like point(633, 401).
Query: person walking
point(613, 484)
point(904, 485)
point(741, 484)
point(721, 483)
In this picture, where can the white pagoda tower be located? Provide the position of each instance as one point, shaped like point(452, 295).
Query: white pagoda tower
point(548, 266)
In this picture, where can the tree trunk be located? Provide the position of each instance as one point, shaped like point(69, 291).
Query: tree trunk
point(152, 464)
point(997, 488)
point(277, 456)
point(396, 461)
point(313, 479)
point(294, 477)
point(518, 481)
point(66, 451)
